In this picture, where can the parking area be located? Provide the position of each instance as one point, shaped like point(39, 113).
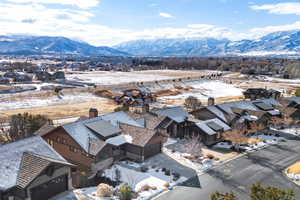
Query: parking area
point(263, 166)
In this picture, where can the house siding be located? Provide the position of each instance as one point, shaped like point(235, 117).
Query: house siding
point(76, 158)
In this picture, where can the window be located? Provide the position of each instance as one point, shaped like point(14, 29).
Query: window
point(50, 142)
point(64, 141)
point(72, 149)
point(58, 139)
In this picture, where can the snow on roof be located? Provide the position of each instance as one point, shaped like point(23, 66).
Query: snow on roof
point(80, 132)
point(11, 155)
point(119, 140)
point(206, 127)
point(116, 118)
point(217, 112)
point(178, 113)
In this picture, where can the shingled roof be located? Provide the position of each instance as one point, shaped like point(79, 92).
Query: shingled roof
point(177, 114)
point(24, 157)
point(140, 136)
point(32, 165)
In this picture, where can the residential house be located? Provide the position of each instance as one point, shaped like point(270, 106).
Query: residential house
point(209, 131)
point(94, 144)
point(32, 170)
point(179, 126)
point(292, 107)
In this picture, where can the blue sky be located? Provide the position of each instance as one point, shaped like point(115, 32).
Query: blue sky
point(109, 22)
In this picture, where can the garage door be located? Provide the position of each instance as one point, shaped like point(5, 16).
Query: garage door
point(50, 189)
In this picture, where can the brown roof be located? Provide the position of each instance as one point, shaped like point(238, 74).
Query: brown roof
point(44, 130)
point(33, 165)
point(152, 121)
point(140, 136)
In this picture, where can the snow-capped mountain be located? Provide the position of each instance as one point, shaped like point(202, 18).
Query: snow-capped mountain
point(277, 43)
point(175, 47)
point(51, 45)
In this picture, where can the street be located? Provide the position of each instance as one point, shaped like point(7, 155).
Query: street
point(264, 166)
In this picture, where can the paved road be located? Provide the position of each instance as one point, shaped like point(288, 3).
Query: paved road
point(264, 166)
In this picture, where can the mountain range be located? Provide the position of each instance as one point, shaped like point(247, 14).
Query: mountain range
point(33, 45)
point(277, 43)
point(286, 43)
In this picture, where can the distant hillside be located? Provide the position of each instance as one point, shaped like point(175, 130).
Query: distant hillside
point(278, 43)
point(28, 45)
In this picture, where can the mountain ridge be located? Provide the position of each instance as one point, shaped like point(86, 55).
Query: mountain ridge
point(28, 45)
point(276, 43)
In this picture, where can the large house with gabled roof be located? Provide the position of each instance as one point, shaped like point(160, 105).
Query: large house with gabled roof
point(95, 143)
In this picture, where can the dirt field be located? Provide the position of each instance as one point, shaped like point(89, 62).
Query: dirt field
point(64, 111)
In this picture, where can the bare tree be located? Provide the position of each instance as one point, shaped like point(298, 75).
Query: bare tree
point(236, 135)
point(4, 132)
point(192, 103)
point(194, 146)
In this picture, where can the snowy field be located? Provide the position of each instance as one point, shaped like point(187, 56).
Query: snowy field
point(204, 89)
point(110, 78)
point(11, 104)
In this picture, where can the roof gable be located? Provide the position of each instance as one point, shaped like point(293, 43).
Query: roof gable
point(178, 114)
point(11, 156)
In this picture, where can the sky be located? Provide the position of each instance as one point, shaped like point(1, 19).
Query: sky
point(110, 22)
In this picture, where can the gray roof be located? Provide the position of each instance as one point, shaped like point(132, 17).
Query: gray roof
point(81, 134)
point(206, 126)
point(215, 110)
point(294, 99)
point(116, 118)
point(84, 135)
point(244, 105)
point(263, 106)
point(103, 128)
point(178, 114)
point(11, 157)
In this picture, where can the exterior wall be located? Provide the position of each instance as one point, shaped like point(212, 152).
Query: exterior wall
point(44, 178)
point(101, 165)
point(134, 152)
point(63, 148)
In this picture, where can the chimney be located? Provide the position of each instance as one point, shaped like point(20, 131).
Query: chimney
point(211, 101)
point(93, 113)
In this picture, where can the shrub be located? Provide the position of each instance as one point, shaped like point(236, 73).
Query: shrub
point(153, 188)
point(167, 184)
point(145, 188)
point(104, 190)
point(144, 169)
point(125, 192)
point(167, 172)
point(297, 93)
point(210, 156)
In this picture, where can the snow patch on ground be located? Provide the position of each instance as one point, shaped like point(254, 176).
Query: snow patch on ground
point(136, 179)
point(205, 89)
point(109, 78)
point(11, 104)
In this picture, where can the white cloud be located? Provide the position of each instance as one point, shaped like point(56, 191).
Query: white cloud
point(280, 8)
point(37, 19)
point(79, 3)
point(166, 15)
point(261, 31)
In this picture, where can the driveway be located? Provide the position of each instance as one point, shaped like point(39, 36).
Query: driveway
point(264, 166)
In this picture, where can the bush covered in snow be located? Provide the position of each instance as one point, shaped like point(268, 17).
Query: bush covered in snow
point(104, 190)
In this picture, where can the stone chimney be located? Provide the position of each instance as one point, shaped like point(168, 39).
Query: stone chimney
point(93, 112)
point(211, 101)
